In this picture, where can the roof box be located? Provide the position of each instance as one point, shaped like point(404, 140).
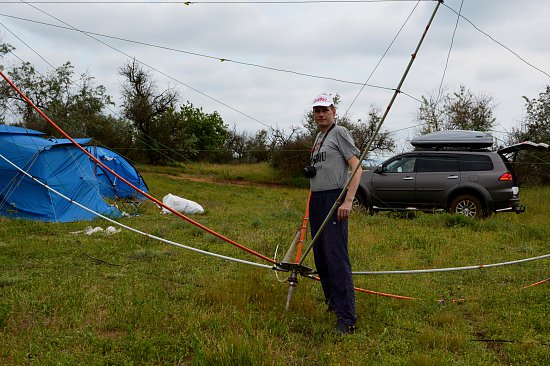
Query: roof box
point(454, 138)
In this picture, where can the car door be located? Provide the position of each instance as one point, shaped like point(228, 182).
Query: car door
point(392, 183)
point(436, 175)
point(510, 153)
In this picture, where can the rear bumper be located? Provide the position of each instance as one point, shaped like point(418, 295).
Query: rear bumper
point(514, 205)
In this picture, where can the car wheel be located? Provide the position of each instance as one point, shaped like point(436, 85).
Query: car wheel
point(360, 203)
point(468, 205)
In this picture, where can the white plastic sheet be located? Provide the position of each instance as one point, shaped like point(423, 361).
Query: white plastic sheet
point(94, 230)
point(181, 205)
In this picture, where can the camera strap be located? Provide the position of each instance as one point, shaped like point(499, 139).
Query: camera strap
point(321, 144)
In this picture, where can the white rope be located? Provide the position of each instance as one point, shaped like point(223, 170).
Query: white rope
point(11, 186)
point(135, 230)
point(481, 266)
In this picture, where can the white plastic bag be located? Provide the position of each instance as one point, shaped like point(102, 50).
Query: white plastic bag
point(181, 205)
point(93, 230)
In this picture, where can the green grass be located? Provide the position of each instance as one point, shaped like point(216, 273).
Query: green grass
point(124, 299)
point(260, 172)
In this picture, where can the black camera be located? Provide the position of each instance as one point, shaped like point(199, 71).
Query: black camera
point(310, 171)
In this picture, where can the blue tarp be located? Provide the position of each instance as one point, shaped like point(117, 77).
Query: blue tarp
point(62, 166)
point(110, 185)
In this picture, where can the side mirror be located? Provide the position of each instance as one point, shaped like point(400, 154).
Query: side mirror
point(379, 169)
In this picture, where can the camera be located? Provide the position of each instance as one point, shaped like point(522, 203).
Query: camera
point(310, 171)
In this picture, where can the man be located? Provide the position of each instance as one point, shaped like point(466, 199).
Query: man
point(333, 156)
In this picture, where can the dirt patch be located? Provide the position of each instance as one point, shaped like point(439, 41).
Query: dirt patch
point(238, 182)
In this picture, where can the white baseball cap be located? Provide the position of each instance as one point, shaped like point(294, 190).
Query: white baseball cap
point(322, 100)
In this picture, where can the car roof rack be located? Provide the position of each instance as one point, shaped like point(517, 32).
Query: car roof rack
point(454, 140)
point(452, 148)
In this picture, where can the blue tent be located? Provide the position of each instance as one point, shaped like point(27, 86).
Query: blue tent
point(109, 184)
point(57, 163)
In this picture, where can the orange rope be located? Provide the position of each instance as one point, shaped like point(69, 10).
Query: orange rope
point(358, 289)
point(536, 283)
point(130, 184)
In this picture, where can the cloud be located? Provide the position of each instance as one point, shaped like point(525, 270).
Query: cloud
point(344, 41)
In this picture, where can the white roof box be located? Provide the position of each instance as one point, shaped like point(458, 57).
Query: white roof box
point(454, 138)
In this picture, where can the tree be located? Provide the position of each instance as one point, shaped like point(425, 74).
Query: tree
point(258, 147)
point(117, 134)
point(207, 128)
point(183, 135)
point(290, 152)
point(173, 142)
point(142, 105)
point(431, 115)
point(240, 147)
point(461, 110)
point(75, 106)
point(235, 145)
point(536, 125)
point(532, 167)
point(469, 112)
point(4, 49)
point(363, 133)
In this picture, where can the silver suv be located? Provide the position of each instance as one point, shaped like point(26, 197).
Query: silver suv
point(450, 170)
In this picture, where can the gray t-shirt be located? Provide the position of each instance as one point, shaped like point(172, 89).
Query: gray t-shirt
point(331, 161)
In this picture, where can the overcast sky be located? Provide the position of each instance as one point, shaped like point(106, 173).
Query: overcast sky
point(330, 40)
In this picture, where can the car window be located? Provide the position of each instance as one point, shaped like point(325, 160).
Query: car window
point(404, 164)
point(438, 163)
point(469, 162)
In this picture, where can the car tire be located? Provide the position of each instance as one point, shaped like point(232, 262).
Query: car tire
point(360, 203)
point(469, 206)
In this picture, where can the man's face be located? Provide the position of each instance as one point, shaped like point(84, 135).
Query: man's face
point(324, 116)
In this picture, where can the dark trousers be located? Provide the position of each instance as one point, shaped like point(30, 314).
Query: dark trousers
point(331, 256)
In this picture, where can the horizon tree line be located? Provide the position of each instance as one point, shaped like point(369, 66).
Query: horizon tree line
point(154, 127)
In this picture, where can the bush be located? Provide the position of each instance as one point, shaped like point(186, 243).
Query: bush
point(292, 157)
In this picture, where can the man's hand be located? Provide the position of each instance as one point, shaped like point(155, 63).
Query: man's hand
point(344, 210)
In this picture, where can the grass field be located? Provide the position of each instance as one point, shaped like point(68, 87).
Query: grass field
point(67, 298)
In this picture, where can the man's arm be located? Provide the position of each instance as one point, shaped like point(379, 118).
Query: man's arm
point(345, 208)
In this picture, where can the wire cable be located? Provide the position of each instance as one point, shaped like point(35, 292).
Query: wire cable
point(145, 194)
point(451, 269)
point(498, 42)
point(28, 46)
point(149, 66)
point(138, 138)
point(371, 141)
point(382, 58)
point(130, 228)
point(290, 2)
point(449, 54)
point(217, 58)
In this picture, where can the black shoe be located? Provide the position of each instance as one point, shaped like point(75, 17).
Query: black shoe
point(343, 329)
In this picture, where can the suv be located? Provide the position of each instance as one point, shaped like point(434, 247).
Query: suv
point(450, 171)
